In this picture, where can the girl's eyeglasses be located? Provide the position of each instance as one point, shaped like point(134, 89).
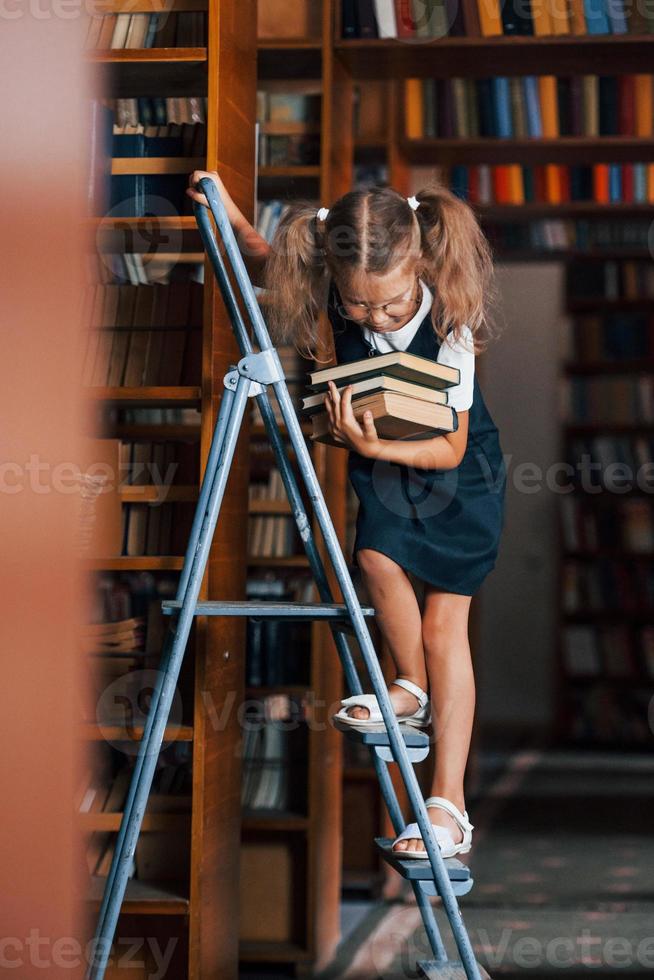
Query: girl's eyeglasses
point(398, 308)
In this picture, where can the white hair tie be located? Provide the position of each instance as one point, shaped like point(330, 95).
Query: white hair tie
point(414, 202)
point(322, 214)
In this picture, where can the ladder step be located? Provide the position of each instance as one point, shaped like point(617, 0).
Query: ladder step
point(412, 738)
point(447, 970)
point(419, 869)
point(260, 609)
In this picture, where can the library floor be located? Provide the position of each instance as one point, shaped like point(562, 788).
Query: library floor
point(563, 862)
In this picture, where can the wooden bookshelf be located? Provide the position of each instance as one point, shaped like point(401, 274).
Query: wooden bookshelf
point(193, 903)
point(605, 668)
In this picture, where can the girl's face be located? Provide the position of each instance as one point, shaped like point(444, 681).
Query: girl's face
point(384, 302)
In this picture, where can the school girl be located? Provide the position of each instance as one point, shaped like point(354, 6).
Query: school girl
point(412, 274)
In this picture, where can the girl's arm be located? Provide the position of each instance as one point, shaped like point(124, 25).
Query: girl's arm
point(253, 247)
point(442, 452)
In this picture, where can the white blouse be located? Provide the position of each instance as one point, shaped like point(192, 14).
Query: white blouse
point(459, 354)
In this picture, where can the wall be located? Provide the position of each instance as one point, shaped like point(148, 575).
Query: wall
point(519, 374)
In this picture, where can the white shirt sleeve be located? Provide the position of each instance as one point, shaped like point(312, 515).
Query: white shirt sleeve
point(459, 354)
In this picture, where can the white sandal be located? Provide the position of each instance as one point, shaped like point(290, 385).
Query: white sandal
point(419, 719)
point(443, 836)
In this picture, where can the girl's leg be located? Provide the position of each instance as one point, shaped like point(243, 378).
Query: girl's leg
point(452, 692)
point(398, 617)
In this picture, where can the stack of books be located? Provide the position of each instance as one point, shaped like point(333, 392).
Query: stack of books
point(406, 394)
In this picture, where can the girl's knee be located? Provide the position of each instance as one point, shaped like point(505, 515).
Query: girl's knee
point(375, 563)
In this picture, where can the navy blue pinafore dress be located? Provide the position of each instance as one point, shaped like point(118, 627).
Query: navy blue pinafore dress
point(443, 526)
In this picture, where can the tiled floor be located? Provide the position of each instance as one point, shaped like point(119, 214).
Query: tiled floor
point(563, 862)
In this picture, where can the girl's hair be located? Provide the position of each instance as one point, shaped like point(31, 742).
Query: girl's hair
point(374, 230)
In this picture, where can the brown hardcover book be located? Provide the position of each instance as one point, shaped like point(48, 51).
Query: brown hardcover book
point(154, 355)
point(368, 386)
point(177, 318)
point(106, 32)
point(136, 358)
point(395, 416)
point(398, 364)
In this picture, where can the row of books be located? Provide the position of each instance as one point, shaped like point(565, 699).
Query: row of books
point(139, 335)
point(567, 234)
point(553, 183)
point(159, 463)
point(612, 400)
point(102, 791)
point(609, 585)
point(604, 715)
point(134, 114)
point(289, 150)
point(612, 650)
point(272, 536)
point(186, 418)
point(412, 19)
point(115, 637)
point(406, 393)
point(611, 279)
point(529, 106)
point(269, 214)
point(599, 338)
point(288, 107)
point(272, 752)
point(278, 651)
point(589, 458)
point(627, 523)
point(156, 529)
point(132, 358)
point(169, 29)
point(138, 195)
point(119, 597)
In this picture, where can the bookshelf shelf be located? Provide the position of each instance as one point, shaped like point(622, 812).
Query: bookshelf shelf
point(137, 563)
point(502, 55)
point(273, 952)
point(179, 397)
point(290, 561)
point(152, 56)
point(113, 733)
point(146, 898)
point(173, 433)
point(274, 820)
point(147, 494)
point(155, 165)
point(279, 173)
point(269, 507)
point(152, 822)
point(560, 149)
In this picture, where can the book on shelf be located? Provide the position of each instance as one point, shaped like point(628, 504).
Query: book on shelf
point(311, 404)
point(167, 29)
point(143, 334)
point(272, 747)
point(417, 410)
point(277, 651)
point(525, 107)
point(427, 19)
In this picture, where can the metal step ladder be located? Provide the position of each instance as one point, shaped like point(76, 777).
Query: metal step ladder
point(251, 377)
